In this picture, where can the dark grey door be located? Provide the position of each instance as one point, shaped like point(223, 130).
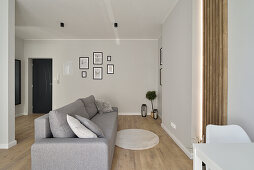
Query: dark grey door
point(42, 85)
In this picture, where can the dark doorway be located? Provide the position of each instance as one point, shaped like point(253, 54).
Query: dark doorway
point(42, 85)
point(17, 82)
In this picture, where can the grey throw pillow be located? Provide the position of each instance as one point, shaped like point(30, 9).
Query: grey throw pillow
point(103, 107)
point(99, 105)
point(58, 119)
point(91, 126)
point(59, 126)
point(90, 106)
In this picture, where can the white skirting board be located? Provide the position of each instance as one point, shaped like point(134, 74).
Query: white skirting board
point(20, 114)
point(131, 113)
point(178, 142)
point(8, 145)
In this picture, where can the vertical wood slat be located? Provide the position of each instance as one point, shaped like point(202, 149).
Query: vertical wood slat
point(225, 60)
point(221, 61)
point(210, 87)
point(215, 59)
point(204, 63)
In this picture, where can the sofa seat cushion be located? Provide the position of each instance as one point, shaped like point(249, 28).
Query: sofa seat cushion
point(58, 119)
point(108, 123)
point(90, 106)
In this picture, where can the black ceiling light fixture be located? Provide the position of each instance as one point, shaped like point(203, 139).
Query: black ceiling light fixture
point(115, 24)
point(62, 24)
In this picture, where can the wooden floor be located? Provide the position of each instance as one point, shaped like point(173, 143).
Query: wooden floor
point(165, 156)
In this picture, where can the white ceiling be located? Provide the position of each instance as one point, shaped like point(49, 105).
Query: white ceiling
point(91, 19)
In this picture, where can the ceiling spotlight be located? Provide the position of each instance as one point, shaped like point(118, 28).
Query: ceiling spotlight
point(115, 24)
point(61, 24)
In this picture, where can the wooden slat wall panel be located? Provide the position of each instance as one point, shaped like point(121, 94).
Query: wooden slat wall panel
point(215, 66)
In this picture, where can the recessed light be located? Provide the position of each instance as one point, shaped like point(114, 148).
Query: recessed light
point(61, 24)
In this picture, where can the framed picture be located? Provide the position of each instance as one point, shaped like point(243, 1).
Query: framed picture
point(161, 76)
point(83, 62)
point(161, 56)
point(108, 58)
point(97, 58)
point(84, 74)
point(110, 69)
point(97, 73)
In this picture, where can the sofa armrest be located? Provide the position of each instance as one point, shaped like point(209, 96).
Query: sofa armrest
point(70, 153)
point(42, 127)
point(115, 109)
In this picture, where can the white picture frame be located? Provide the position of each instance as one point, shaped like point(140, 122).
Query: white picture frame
point(97, 58)
point(97, 73)
point(84, 74)
point(83, 62)
point(110, 69)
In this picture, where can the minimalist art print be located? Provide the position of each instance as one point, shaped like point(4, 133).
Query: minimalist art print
point(161, 56)
point(97, 73)
point(110, 69)
point(97, 58)
point(161, 76)
point(83, 62)
point(84, 74)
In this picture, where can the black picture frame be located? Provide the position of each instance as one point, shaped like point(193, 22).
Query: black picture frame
point(84, 74)
point(101, 70)
point(80, 58)
point(17, 82)
point(108, 58)
point(108, 68)
point(101, 53)
point(160, 56)
point(161, 76)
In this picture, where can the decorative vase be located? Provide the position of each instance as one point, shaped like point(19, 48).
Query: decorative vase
point(155, 114)
point(143, 110)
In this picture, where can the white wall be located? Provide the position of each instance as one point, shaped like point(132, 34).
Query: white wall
point(197, 69)
point(135, 70)
point(7, 53)
point(182, 73)
point(19, 54)
point(240, 65)
point(177, 71)
point(159, 93)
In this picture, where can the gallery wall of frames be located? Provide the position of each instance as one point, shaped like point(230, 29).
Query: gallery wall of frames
point(122, 72)
point(97, 66)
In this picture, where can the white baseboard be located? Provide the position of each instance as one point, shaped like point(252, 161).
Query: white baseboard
point(131, 113)
point(178, 142)
point(8, 145)
point(20, 114)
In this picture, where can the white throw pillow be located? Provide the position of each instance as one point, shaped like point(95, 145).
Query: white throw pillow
point(80, 130)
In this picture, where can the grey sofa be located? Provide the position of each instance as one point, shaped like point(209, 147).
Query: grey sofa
point(48, 153)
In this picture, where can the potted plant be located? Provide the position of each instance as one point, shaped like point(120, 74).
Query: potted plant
point(151, 95)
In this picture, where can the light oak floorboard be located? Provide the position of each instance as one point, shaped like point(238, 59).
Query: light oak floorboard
point(19, 156)
point(165, 156)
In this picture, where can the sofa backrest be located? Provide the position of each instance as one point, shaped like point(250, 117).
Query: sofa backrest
point(55, 123)
point(58, 119)
point(75, 108)
point(90, 106)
